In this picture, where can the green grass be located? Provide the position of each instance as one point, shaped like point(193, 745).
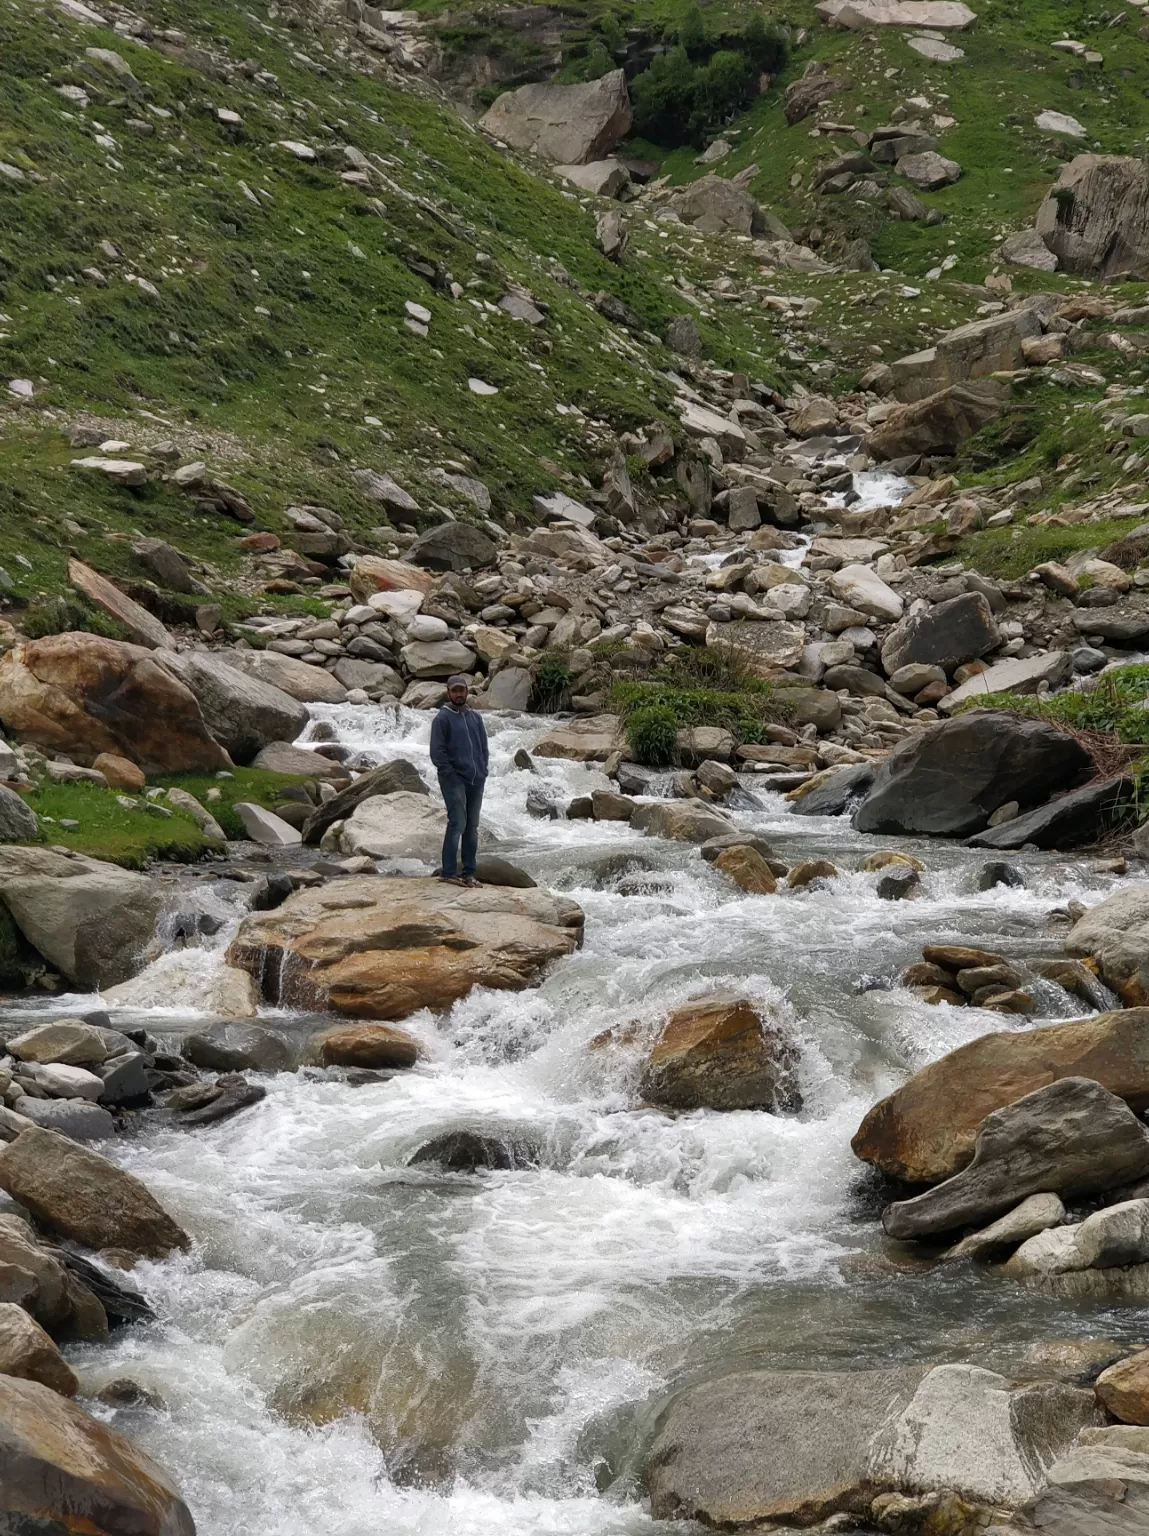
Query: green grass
point(1115, 706)
point(135, 837)
point(745, 713)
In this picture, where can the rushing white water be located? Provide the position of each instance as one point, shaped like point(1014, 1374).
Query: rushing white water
point(357, 1345)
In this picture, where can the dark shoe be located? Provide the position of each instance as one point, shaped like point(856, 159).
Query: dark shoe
point(471, 883)
point(451, 880)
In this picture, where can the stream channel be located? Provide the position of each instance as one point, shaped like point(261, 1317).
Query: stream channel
point(356, 1347)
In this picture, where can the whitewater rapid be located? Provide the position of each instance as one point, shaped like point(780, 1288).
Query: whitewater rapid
point(357, 1346)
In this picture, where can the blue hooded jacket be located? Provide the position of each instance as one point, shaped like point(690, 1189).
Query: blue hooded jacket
point(459, 744)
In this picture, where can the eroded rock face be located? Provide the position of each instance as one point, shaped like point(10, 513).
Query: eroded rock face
point(799, 1446)
point(243, 713)
point(298, 679)
point(382, 947)
point(62, 1471)
point(720, 1053)
point(91, 920)
point(949, 780)
point(1071, 1138)
point(74, 1191)
point(1115, 934)
point(569, 124)
point(1095, 218)
point(940, 423)
point(81, 695)
point(925, 1131)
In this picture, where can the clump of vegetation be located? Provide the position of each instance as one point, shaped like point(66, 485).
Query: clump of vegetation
point(60, 615)
point(704, 79)
point(552, 678)
point(701, 687)
point(652, 733)
point(1116, 706)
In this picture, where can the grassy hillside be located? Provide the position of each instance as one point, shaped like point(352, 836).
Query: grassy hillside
point(169, 272)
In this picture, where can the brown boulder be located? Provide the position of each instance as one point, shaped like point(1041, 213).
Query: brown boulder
point(940, 423)
point(119, 771)
point(28, 1352)
point(143, 627)
point(569, 124)
point(1124, 1389)
point(367, 1045)
point(924, 1132)
point(55, 1298)
point(74, 1191)
point(374, 573)
point(748, 869)
point(719, 1053)
point(61, 1471)
point(382, 947)
point(83, 695)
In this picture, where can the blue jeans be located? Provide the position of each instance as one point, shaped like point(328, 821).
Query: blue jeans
point(464, 802)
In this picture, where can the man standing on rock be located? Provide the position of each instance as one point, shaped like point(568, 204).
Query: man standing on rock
point(459, 753)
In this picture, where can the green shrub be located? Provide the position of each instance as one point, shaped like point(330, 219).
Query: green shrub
point(652, 733)
point(1115, 706)
point(61, 615)
point(552, 681)
point(704, 79)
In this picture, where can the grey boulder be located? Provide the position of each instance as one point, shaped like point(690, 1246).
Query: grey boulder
point(946, 635)
point(454, 547)
point(18, 822)
point(235, 1045)
point(569, 124)
point(1072, 1138)
point(1095, 1490)
point(387, 779)
point(1079, 817)
point(949, 780)
point(836, 790)
point(243, 712)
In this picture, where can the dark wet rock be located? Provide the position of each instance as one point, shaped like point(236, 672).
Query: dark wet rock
point(235, 1045)
point(468, 1151)
point(1080, 817)
point(898, 883)
point(230, 1093)
point(836, 790)
point(121, 1303)
point(491, 870)
point(541, 803)
point(949, 780)
point(271, 892)
point(998, 872)
point(78, 1119)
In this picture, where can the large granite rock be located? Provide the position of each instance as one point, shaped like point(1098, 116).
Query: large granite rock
point(62, 1471)
point(238, 1045)
point(1115, 934)
point(925, 1130)
point(946, 635)
point(241, 711)
point(949, 780)
point(143, 628)
point(834, 791)
point(381, 947)
point(1020, 675)
point(799, 1446)
point(569, 124)
point(940, 422)
point(973, 351)
point(18, 821)
point(715, 205)
point(454, 547)
point(950, 15)
point(387, 779)
point(55, 1297)
point(298, 679)
point(720, 1053)
point(73, 1191)
point(81, 695)
point(1095, 218)
point(28, 1352)
point(402, 825)
point(1071, 1138)
point(683, 821)
point(89, 919)
point(1095, 1490)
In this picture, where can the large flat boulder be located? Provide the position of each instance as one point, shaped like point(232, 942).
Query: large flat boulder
point(925, 1130)
point(243, 712)
point(937, 15)
point(721, 1053)
point(62, 1471)
point(82, 695)
point(387, 779)
point(714, 204)
point(382, 947)
point(940, 422)
point(1115, 934)
point(74, 1191)
point(763, 645)
point(1095, 217)
point(591, 739)
point(799, 1446)
point(949, 780)
point(89, 919)
point(569, 124)
point(143, 627)
point(1070, 1138)
point(298, 679)
point(683, 821)
point(973, 351)
point(959, 630)
point(1095, 1490)
point(1018, 675)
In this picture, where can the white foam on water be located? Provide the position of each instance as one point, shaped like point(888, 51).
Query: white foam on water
point(474, 1329)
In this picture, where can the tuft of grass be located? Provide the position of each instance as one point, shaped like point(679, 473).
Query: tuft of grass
point(1116, 705)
